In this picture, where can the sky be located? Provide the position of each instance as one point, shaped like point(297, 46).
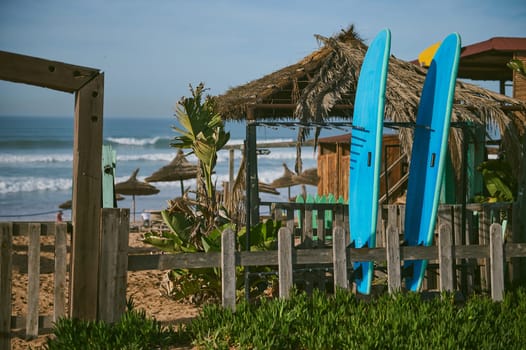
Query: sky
point(151, 51)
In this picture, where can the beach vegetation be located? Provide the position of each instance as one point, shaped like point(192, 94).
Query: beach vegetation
point(499, 181)
point(195, 223)
point(319, 321)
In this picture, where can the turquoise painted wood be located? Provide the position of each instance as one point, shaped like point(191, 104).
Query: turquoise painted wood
point(366, 145)
point(299, 199)
point(109, 160)
point(429, 154)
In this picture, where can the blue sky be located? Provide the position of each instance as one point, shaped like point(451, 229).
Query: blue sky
point(150, 51)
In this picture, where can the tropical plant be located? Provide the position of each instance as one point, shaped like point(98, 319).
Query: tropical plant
point(499, 181)
point(517, 66)
point(201, 130)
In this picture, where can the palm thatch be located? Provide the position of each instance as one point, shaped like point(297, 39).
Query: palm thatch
point(323, 85)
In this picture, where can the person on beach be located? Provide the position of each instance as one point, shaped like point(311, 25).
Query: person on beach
point(59, 216)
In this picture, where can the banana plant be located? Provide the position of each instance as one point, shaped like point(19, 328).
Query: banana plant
point(201, 130)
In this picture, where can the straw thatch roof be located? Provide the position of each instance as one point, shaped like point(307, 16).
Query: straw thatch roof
point(323, 85)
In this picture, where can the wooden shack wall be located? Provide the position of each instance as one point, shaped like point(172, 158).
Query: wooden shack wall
point(333, 166)
point(519, 81)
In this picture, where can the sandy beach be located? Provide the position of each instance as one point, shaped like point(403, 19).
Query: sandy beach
point(143, 286)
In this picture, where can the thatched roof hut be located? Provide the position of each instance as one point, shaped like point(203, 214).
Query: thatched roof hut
point(323, 85)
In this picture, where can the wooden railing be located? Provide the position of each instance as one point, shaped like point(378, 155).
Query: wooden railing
point(295, 249)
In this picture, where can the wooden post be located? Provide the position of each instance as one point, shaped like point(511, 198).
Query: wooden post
point(33, 284)
point(394, 280)
point(87, 184)
point(115, 224)
point(6, 243)
point(445, 257)
point(284, 262)
point(228, 269)
point(496, 262)
point(339, 258)
point(59, 301)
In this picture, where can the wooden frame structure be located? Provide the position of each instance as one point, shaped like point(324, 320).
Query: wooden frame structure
point(88, 86)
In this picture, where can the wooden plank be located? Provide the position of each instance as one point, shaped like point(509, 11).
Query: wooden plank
point(228, 269)
point(419, 253)
point(496, 262)
point(87, 184)
point(33, 284)
point(45, 73)
point(392, 216)
point(445, 257)
point(514, 250)
point(262, 258)
point(394, 279)
point(173, 261)
point(109, 158)
point(59, 295)
point(471, 252)
point(339, 258)
point(285, 262)
point(45, 323)
point(113, 264)
point(6, 244)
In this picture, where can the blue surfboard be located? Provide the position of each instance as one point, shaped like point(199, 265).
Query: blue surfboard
point(365, 153)
point(429, 154)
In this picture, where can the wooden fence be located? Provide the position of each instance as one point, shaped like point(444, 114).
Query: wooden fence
point(294, 250)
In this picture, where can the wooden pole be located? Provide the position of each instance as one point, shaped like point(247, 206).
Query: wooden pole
point(228, 269)
point(87, 185)
point(115, 226)
point(6, 260)
point(496, 262)
point(445, 257)
point(284, 262)
point(339, 256)
point(394, 281)
point(33, 285)
point(59, 301)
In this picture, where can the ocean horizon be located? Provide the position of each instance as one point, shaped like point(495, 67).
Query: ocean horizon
point(36, 161)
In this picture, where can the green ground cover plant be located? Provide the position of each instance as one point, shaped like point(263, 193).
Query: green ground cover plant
point(319, 321)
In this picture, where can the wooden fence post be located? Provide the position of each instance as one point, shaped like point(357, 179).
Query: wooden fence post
point(445, 257)
point(33, 284)
point(228, 269)
point(339, 258)
point(115, 225)
point(496, 262)
point(394, 280)
point(6, 243)
point(284, 262)
point(59, 301)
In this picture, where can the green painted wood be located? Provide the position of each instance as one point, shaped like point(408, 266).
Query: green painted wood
point(109, 161)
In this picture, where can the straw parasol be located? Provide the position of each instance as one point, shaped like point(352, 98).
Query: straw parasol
point(285, 180)
point(307, 177)
point(134, 187)
point(267, 188)
point(178, 169)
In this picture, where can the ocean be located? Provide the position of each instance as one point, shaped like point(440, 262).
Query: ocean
point(36, 156)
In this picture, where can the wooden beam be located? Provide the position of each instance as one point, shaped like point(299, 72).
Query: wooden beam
point(87, 182)
point(45, 73)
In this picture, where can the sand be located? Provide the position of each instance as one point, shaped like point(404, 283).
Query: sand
point(143, 286)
